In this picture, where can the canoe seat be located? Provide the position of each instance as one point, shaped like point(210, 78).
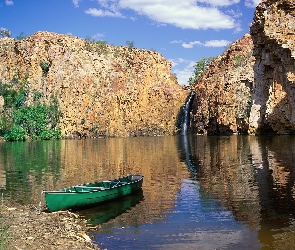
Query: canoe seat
point(115, 184)
point(89, 188)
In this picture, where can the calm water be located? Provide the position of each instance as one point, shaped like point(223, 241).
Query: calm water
point(199, 192)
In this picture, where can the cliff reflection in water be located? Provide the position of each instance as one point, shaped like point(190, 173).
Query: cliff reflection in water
point(49, 165)
point(251, 178)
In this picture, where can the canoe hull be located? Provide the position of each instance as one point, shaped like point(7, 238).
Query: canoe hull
point(86, 195)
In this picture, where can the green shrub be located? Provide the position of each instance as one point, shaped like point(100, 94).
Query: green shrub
point(99, 47)
point(18, 121)
point(45, 66)
point(53, 112)
point(8, 94)
point(11, 96)
point(16, 133)
point(5, 124)
point(50, 134)
point(38, 121)
point(130, 44)
point(238, 60)
point(32, 118)
point(200, 67)
point(21, 36)
point(20, 99)
point(37, 95)
point(5, 32)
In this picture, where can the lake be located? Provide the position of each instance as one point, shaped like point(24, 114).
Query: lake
point(199, 192)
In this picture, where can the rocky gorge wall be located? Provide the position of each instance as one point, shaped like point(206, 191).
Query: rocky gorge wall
point(102, 90)
point(224, 91)
point(273, 34)
point(250, 88)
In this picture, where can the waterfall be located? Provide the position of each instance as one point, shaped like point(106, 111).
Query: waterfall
point(186, 109)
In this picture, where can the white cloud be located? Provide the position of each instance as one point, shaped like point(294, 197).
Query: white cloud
point(103, 13)
point(183, 69)
point(191, 44)
point(98, 36)
point(76, 3)
point(107, 3)
point(110, 9)
point(176, 41)
point(185, 14)
point(235, 14)
point(210, 43)
point(8, 2)
point(219, 2)
point(252, 3)
point(183, 75)
point(217, 43)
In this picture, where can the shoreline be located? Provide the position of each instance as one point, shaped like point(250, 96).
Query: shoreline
point(25, 227)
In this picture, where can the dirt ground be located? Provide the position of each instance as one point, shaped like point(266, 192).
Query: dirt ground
point(25, 227)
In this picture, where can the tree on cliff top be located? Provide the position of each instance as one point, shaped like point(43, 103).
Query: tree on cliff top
point(200, 67)
point(5, 32)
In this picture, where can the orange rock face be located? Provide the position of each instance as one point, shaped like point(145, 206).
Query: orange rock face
point(250, 88)
point(102, 90)
point(224, 92)
point(273, 33)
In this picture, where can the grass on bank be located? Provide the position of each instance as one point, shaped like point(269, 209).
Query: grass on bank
point(4, 235)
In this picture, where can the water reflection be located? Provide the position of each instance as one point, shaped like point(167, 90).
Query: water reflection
point(224, 192)
point(26, 166)
point(254, 178)
point(105, 212)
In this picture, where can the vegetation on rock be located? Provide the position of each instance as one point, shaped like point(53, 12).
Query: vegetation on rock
point(19, 120)
point(5, 33)
point(200, 67)
point(224, 92)
point(102, 90)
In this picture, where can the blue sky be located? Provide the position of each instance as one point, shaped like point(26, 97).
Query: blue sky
point(183, 31)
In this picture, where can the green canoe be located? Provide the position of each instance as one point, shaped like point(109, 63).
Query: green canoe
point(88, 194)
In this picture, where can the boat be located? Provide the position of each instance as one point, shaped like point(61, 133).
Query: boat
point(89, 194)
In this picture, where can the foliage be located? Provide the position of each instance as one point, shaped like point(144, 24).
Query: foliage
point(92, 45)
point(5, 124)
point(130, 44)
point(45, 66)
point(19, 121)
point(20, 98)
point(36, 96)
point(11, 96)
point(101, 43)
point(238, 60)
point(89, 39)
point(31, 118)
point(5, 32)
point(53, 112)
point(36, 121)
point(16, 133)
point(200, 67)
point(8, 95)
point(48, 134)
point(21, 36)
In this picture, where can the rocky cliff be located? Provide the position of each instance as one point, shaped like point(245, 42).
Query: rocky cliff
point(224, 92)
point(250, 88)
point(102, 90)
point(273, 34)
